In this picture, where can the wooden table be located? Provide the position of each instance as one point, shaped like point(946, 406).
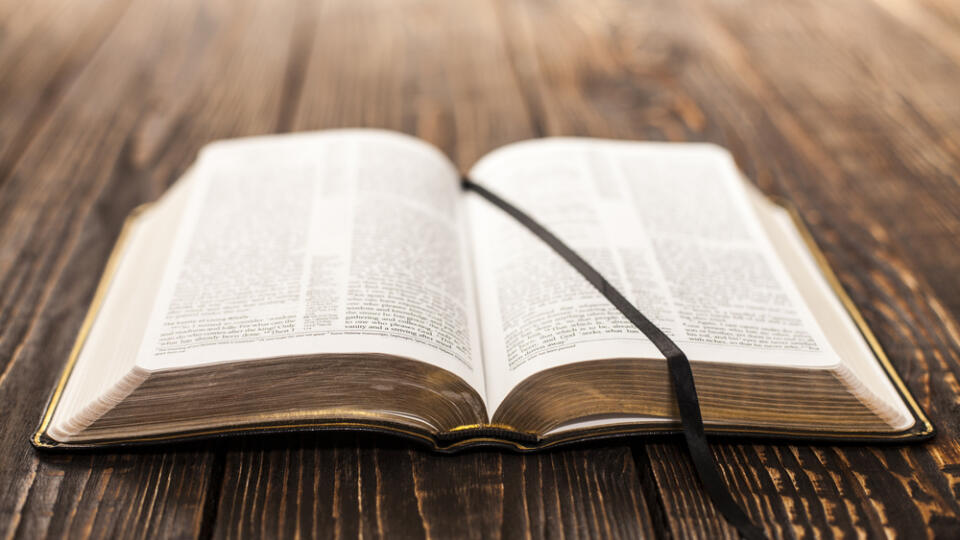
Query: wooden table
point(849, 109)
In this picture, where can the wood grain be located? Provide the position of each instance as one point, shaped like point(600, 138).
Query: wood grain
point(848, 109)
point(345, 486)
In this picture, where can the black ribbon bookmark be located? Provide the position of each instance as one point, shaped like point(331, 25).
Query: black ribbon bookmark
point(677, 364)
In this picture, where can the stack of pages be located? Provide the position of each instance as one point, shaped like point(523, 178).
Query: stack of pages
point(344, 280)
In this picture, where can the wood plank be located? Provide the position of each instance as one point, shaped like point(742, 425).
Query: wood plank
point(345, 486)
point(854, 129)
point(439, 71)
point(45, 45)
point(128, 124)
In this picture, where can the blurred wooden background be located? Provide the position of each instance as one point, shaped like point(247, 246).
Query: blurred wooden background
point(850, 109)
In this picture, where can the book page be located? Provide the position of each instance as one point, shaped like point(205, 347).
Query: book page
point(669, 225)
point(838, 325)
point(345, 241)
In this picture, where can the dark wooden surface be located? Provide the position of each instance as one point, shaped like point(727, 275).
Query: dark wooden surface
point(850, 109)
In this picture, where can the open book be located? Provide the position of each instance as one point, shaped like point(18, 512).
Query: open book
point(344, 280)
